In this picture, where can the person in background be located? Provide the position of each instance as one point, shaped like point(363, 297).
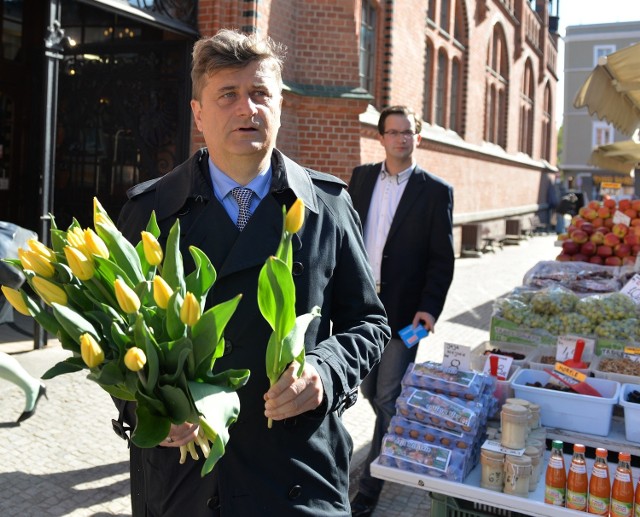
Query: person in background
point(11, 370)
point(301, 465)
point(407, 214)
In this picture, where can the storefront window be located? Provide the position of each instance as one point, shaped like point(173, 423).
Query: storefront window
point(12, 29)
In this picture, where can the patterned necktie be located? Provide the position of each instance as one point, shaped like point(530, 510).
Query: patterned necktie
point(243, 197)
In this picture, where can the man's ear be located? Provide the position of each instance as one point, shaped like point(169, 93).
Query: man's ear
point(196, 108)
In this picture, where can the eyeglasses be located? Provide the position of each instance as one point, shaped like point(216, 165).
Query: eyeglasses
point(405, 134)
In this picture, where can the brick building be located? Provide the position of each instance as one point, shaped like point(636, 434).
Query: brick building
point(481, 72)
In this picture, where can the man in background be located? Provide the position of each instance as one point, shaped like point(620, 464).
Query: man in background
point(407, 214)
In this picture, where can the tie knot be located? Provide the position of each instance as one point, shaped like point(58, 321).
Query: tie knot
point(242, 196)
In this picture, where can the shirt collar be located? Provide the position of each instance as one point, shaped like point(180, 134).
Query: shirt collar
point(223, 184)
point(400, 178)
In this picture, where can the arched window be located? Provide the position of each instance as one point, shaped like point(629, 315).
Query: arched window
point(427, 114)
point(497, 80)
point(525, 141)
point(444, 16)
point(367, 46)
point(454, 104)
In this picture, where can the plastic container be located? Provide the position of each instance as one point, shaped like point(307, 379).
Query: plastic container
point(619, 377)
point(535, 360)
point(514, 420)
point(570, 411)
point(478, 353)
point(631, 413)
point(517, 472)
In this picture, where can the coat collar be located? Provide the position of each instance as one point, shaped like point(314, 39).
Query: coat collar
point(191, 180)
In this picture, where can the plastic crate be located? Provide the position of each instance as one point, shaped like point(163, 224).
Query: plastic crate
point(445, 506)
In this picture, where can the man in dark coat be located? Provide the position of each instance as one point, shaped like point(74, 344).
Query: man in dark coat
point(301, 465)
point(407, 215)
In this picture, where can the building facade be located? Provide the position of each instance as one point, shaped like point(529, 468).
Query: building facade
point(482, 73)
point(584, 45)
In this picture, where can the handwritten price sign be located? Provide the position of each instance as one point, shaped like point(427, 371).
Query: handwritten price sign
point(632, 288)
point(457, 356)
point(503, 366)
point(566, 346)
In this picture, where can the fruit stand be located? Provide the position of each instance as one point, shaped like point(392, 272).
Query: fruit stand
point(571, 298)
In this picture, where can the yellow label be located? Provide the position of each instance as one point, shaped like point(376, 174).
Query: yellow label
point(632, 350)
point(570, 372)
point(610, 184)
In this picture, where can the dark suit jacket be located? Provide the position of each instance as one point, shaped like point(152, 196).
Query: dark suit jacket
point(301, 465)
point(418, 257)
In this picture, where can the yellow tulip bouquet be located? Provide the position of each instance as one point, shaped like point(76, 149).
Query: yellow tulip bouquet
point(130, 315)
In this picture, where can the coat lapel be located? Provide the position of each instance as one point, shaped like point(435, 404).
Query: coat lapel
point(369, 178)
point(415, 186)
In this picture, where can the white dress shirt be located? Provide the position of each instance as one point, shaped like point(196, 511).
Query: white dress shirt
point(384, 202)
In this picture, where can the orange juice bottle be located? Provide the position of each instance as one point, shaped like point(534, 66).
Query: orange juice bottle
point(637, 505)
point(555, 479)
point(599, 485)
point(577, 480)
point(622, 490)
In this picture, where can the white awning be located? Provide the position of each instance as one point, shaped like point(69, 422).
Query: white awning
point(620, 156)
point(612, 90)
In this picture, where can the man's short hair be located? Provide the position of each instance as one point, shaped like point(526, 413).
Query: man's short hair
point(232, 49)
point(399, 110)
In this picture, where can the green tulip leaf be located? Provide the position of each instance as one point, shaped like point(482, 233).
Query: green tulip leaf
point(69, 365)
point(219, 408)
point(176, 402)
point(109, 374)
point(58, 240)
point(64, 275)
point(122, 252)
point(120, 338)
point(293, 343)
point(206, 334)
point(202, 278)
point(121, 392)
point(176, 355)
point(272, 360)
point(232, 379)
point(144, 340)
point(73, 323)
point(68, 343)
point(151, 428)
point(44, 318)
point(175, 328)
point(172, 266)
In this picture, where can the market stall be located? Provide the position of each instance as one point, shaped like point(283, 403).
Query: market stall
point(573, 321)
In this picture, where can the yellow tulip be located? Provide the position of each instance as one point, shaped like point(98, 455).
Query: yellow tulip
point(161, 292)
point(16, 300)
point(38, 264)
point(135, 359)
point(39, 248)
point(75, 238)
point(295, 217)
point(92, 353)
point(127, 298)
point(80, 265)
point(95, 244)
point(152, 249)
point(100, 215)
point(48, 291)
point(190, 310)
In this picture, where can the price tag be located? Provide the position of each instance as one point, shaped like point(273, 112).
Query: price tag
point(457, 356)
point(632, 353)
point(504, 365)
point(632, 288)
point(496, 446)
point(566, 346)
point(619, 217)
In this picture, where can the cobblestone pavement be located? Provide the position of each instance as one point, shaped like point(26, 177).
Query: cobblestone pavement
point(66, 460)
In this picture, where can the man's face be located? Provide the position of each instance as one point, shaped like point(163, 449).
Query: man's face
point(239, 113)
point(397, 141)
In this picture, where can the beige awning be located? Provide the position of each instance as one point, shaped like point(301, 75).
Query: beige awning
point(612, 90)
point(619, 156)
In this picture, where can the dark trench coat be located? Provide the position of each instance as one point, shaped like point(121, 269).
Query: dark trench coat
point(301, 465)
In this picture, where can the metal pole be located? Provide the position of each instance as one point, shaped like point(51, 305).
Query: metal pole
point(53, 55)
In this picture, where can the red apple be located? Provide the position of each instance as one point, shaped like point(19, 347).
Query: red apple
point(608, 222)
point(563, 236)
point(611, 239)
point(589, 228)
point(579, 236)
point(570, 247)
point(623, 204)
point(604, 212)
point(597, 222)
point(631, 238)
point(589, 248)
point(597, 237)
point(612, 261)
point(622, 250)
point(620, 229)
point(590, 214)
point(609, 202)
point(563, 257)
point(596, 259)
point(635, 204)
point(579, 257)
point(629, 261)
point(604, 250)
point(635, 222)
point(635, 249)
point(593, 204)
point(631, 213)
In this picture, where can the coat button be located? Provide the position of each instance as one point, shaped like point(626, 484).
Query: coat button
point(213, 502)
point(295, 491)
point(297, 268)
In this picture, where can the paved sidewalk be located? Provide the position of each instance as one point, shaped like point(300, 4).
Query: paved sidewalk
point(66, 461)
